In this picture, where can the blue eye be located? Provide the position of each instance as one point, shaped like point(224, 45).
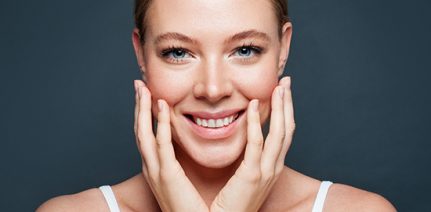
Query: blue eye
point(244, 51)
point(248, 51)
point(175, 55)
point(178, 53)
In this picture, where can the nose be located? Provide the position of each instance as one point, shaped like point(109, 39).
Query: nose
point(213, 81)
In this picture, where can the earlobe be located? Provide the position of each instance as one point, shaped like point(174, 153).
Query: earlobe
point(285, 46)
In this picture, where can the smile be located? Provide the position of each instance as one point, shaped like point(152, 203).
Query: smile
point(214, 125)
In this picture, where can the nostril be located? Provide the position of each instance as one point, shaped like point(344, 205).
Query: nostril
point(213, 89)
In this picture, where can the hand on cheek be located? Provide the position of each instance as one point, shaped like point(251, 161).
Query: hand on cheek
point(263, 161)
point(160, 168)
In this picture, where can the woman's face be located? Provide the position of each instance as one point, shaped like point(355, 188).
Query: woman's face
point(208, 60)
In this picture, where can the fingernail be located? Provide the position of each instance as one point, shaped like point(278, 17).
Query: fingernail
point(160, 104)
point(281, 91)
point(285, 82)
point(255, 105)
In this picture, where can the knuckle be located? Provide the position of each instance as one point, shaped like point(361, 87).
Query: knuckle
point(278, 170)
point(258, 141)
point(291, 128)
point(165, 176)
point(219, 204)
point(255, 177)
point(283, 135)
point(268, 176)
point(153, 177)
point(140, 135)
point(160, 144)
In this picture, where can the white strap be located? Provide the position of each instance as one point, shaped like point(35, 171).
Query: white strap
point(321, 195)
point(110, 198)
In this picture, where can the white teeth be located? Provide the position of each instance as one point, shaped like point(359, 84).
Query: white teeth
point(204, 123)
point(226, 121)
point(219, 123)
point(215, 123)
point(211, 123)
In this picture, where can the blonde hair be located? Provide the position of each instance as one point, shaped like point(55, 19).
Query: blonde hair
point(141, 8)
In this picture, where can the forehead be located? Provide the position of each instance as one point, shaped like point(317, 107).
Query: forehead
point(214, 19)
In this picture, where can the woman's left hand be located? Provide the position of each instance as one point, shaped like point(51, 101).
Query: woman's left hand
point(250, 185)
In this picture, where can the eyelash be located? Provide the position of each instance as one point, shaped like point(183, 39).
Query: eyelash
point(165, 53)
point(256, 51)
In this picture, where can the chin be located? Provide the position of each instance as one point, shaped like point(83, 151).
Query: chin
point(218, 156)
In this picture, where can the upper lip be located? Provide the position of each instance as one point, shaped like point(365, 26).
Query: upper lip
point(216, 115)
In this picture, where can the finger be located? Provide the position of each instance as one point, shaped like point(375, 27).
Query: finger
point(145, 133)
point(135, 125)
point(254, 145)
point(164, 142)
point(274, 141)
point(289, 119)
point(137, 84)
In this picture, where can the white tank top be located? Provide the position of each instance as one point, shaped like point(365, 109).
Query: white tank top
point(317, 207)
point(110, 198)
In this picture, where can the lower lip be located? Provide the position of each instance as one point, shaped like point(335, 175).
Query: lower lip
point(215, 133)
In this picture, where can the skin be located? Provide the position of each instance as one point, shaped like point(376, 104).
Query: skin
point(213, 76)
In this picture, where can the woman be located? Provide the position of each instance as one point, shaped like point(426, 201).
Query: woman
point(210, 78)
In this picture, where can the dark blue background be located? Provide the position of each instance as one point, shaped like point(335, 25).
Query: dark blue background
point(360, 72)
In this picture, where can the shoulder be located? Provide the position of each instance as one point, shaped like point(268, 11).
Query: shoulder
point(302, 191)
point(342, 197)
point(132, 194)
point(88, 200)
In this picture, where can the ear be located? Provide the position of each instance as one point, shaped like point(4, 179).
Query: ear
point(137, 45)
point(286, 37)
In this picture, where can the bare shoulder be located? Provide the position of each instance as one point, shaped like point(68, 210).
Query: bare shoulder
point(342, 197)
point(302, 191)
point(88, 200)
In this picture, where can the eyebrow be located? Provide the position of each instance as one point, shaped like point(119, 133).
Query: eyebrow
point(248, 34)
point(236, 37)
point(174, 36)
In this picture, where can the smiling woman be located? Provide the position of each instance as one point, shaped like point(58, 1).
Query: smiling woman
point(211, 74)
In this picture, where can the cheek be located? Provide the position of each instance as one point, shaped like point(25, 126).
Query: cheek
point(163, 82)
point(171, 86)
point(258, 87)
point(258, 83)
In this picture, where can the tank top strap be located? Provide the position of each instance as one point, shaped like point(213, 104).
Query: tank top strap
point(110, 198)
point(321, 196)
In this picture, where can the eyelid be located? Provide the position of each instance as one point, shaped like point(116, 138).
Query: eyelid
point(256, 49)
point(166, 51)
point(166, 54)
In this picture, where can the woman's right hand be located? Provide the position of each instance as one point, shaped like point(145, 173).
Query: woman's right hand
point(164, 174)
